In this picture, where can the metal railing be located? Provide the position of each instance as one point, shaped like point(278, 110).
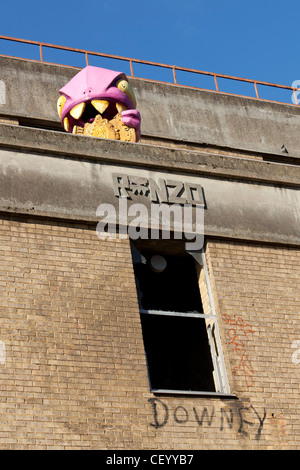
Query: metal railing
point(174, 68)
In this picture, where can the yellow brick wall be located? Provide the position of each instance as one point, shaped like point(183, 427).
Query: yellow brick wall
point(258, 303)
point(75, 374)
point(73, 359)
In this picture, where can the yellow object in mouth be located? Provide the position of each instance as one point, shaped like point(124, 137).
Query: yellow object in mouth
point(102, 128)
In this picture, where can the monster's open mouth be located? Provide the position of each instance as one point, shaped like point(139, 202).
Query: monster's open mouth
point(89, 113)
point(99, 118)
point(85, 113)
point(106, 109)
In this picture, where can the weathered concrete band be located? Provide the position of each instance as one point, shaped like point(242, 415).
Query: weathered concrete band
point(147, 156)
point(48, 184)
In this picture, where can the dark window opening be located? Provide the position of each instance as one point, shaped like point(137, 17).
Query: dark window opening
point(178, 353)
point(173, 324)
point(173, 289)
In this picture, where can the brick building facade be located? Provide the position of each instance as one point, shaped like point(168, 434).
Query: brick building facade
point(73, 368)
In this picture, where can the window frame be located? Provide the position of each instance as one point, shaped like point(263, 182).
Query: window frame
point(211, 323)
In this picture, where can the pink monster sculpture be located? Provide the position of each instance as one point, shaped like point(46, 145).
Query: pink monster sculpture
point(101, 103)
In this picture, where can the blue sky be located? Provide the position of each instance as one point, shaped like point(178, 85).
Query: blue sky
point(245, 38)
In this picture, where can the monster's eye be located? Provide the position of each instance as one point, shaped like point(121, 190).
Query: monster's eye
point(60, 104)
point(124, 86)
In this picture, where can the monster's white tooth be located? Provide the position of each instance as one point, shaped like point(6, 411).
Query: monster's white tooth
point(66, 124)
point(100, 105)
point(120, 107)
point(77, 111)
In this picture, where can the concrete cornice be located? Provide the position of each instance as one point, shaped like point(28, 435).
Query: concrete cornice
point(62, 176)
point(148, 156)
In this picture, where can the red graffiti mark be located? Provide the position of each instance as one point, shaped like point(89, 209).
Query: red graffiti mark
point(234, 320)
point(244, 366)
